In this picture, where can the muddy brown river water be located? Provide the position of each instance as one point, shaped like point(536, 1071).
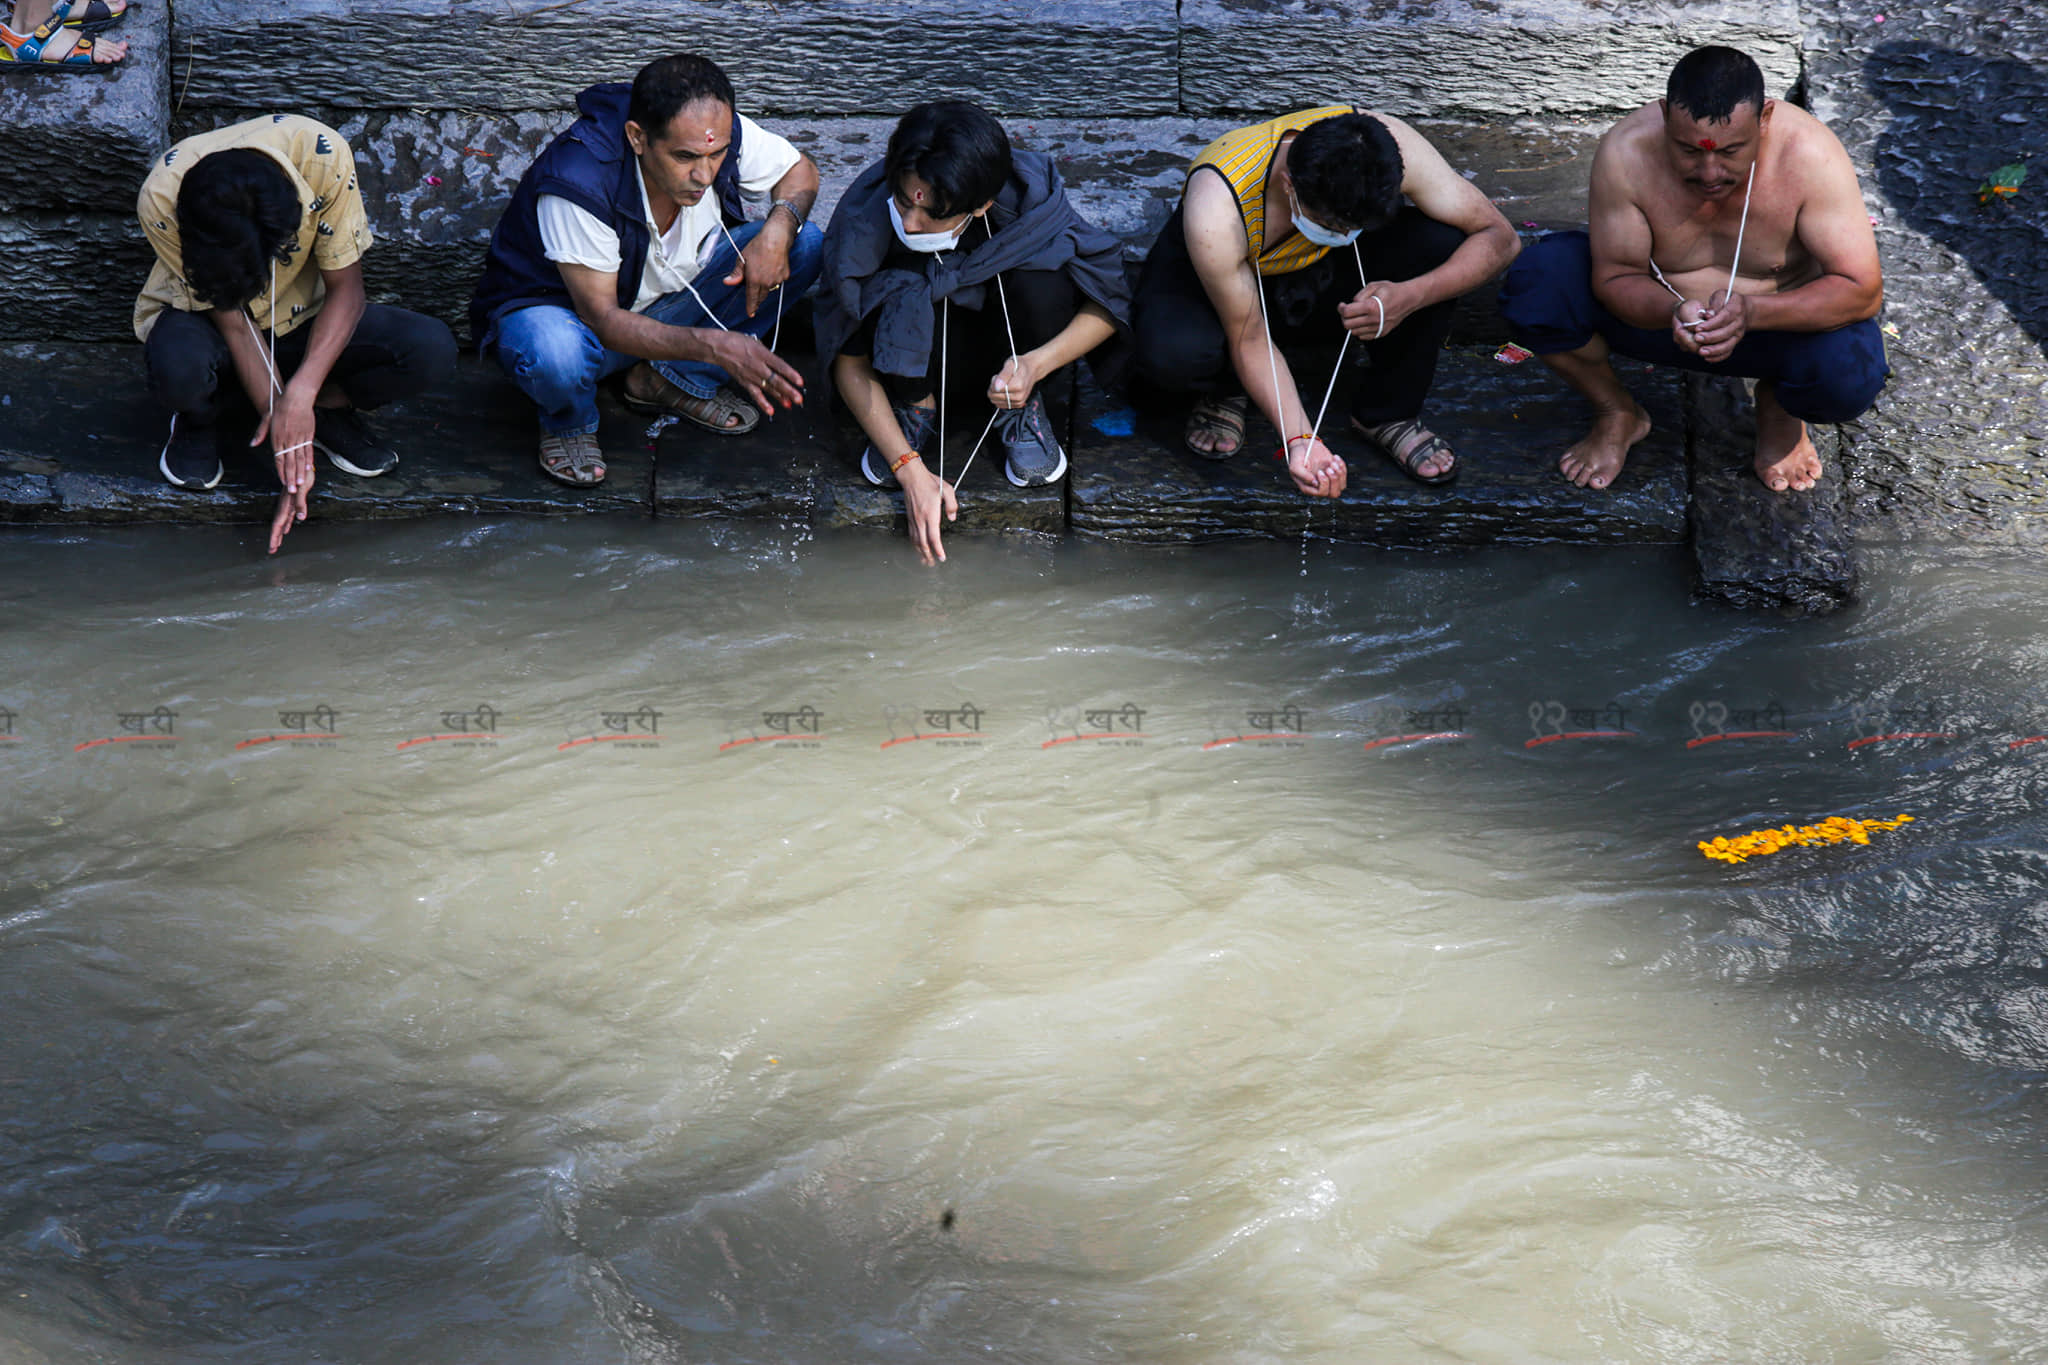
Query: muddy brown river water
point(639, 942)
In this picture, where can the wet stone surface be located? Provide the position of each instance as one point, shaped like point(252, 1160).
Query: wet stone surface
point(1509, 425)
point(1929, 103)
point(535, 54)
point(81, 445)
point(1474, 58)
point(1792, 552)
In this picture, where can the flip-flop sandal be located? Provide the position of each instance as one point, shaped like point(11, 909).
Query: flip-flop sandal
point(28, 51)
point(713, 413)
point(1408, 445)
point(576, 462)
point(1217, 417)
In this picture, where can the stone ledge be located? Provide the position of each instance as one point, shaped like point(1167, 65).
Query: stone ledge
point(126, 111)
point(1047, 57)
point(1509, 425)
point(1475, 58)
point(79, 277)
point(1790, 552)
point(81, 438)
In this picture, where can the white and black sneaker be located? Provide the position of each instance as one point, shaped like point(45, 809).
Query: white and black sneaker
point(1032, 454)
point(191, 456)
point(346, 440)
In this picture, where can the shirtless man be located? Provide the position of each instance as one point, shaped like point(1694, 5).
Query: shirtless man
point(1676, 186)
point(1338, 220)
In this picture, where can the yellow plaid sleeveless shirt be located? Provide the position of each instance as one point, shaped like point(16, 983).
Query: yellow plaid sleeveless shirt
point(1244, 157)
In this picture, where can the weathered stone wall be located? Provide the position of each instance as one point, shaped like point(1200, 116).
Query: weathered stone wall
point(1471, 58)
point(1929, 102)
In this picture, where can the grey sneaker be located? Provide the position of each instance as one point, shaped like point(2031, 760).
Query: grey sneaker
point(918, 425)
point(1033, 457)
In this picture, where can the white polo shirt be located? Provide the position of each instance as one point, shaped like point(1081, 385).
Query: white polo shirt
point(573, 235)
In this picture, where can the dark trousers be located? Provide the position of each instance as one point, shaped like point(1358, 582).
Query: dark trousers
point(394, 354)
point(1042, 303)
point(1181, 347)
point(1550, 307)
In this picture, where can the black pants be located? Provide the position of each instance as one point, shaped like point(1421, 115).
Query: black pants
point(1042, 303)
point(394, 354)
point(1181, 347)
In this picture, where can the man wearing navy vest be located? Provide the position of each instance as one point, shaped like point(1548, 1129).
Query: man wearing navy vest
point(618, 252)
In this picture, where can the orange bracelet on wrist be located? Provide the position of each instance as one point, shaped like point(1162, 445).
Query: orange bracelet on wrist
point(903, 460)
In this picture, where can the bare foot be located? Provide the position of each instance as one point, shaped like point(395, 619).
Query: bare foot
point(1785, 457)
point(1595, 461)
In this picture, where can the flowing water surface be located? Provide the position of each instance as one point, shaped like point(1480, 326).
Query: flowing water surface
point(1134, 1004)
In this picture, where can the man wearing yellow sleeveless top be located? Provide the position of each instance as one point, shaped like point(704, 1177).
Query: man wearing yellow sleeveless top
point(1304, 216)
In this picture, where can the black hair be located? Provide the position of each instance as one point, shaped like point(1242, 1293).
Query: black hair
point(1711, 83)
point(957, 148)
point(237, 214)
point(666, 87)
point(1347, 172)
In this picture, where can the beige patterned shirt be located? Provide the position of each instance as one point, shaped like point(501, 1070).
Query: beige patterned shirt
point(334, 234)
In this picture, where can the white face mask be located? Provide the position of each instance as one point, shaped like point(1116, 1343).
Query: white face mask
point(1316, 232)
point(923, 241)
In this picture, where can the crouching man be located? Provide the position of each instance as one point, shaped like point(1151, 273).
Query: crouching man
point(625, 247)
point(1678, 187)
point(256, 301)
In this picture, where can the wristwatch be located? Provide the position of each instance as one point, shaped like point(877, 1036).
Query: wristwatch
point(789, 204)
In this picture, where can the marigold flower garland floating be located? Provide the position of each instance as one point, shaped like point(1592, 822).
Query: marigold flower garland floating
point(1836, 829)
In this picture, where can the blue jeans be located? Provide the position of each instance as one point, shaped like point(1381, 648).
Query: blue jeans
point(554, 357)
point(1824, 377)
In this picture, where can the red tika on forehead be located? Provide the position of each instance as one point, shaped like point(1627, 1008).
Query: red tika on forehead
point(1706, 144)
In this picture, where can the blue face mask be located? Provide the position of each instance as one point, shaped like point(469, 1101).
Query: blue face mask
point(1316, 232)
point(922, 241)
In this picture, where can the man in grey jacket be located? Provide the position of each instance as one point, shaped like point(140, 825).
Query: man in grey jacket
point(954, 240)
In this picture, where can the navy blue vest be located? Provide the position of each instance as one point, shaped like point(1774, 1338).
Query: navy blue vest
point(591, 165)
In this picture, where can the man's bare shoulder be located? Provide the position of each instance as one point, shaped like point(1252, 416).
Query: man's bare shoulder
point(1806, 142)
point(1633, 141)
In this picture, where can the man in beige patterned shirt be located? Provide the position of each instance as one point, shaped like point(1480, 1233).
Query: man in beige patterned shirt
point(256, 301)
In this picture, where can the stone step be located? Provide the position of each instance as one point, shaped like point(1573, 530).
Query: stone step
point(1793, 553)
point(86, 270)
point(80, 436)
point(1486, 59)
point(1509, 425)
point(78, 141)
point(79, 441)
point(809, 56)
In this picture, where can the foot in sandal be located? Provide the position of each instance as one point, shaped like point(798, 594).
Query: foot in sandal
point(575, 459)
point(1216, 427)
point(726, 412)
point(58, 45)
